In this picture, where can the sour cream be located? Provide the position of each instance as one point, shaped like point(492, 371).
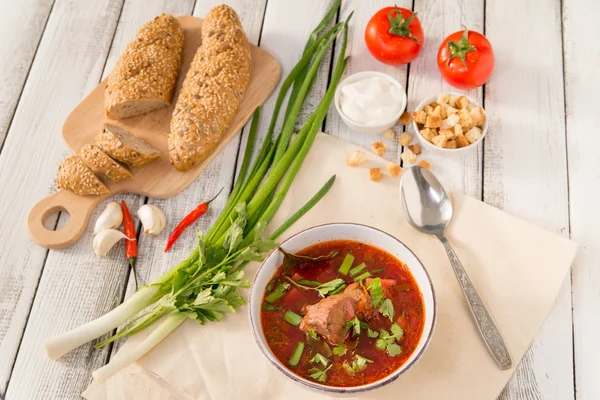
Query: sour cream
point(371, 100)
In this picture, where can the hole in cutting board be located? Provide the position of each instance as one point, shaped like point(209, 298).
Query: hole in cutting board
point(51, 217)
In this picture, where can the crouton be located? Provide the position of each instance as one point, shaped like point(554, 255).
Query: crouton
point(473, 135)
point(477, 115)
point(458, 130)
point(420, 117)
point(428, 134)
point(424, 164)
point(394, 169)
point(389, 134)
point(451, 144)
point(465, 119)
point(379, 148)
point(405, 118)
point(443, 112)
point(443, 98)
point(449, 122)
point(437, 111)
point(404, 139)
point(428, 109)
point(408, 157)
point(453, 100)
point(451, 110)
point(447, 133)
point(375, 174)
point(439, 141)
point(462, 103)
point(433, 121)
point(415, 148)
point(461, 141)
point(357, 158)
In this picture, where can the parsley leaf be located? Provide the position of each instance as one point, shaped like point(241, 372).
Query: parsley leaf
point(339, 350)
point(387, 309)
point(376, 291)
point(323, 289)
point(312, 333)
point(354, 324)
point(388, 341)
point(319, 358)
point(358, 364)
point(372, 333)
point(319, 375)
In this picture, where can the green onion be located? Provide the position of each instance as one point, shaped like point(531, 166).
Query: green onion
point(338, 289)
point(362, 276)
point(270, 307)
point(308, 282)
point(278, 293)
point(358, 269)
point(292, 318)
point(376, 271)
point(295, 358)
point(346, 264)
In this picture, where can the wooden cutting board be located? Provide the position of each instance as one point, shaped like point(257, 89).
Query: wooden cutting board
point(158, 179)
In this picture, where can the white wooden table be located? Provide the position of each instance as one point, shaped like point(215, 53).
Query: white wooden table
point(540, 161)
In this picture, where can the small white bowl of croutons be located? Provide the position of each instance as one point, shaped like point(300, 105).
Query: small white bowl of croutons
point(450, 123)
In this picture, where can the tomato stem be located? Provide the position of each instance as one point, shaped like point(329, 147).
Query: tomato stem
point(399, 25)
point(461, 48)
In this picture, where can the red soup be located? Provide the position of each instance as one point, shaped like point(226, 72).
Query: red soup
point(342, 313)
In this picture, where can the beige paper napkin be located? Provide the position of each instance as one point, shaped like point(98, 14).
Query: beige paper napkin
point(517, 267)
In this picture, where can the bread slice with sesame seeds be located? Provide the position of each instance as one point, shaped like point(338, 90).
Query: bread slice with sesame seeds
point(145, 75)
point(74, 176)
point(123, 146)
point(212, 90)
point(100, 163)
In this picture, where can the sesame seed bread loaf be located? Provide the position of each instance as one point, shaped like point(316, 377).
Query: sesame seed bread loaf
point(74, 176)
point(212, 90)
point(145, 75)
point(123, 146)
point(100, 163)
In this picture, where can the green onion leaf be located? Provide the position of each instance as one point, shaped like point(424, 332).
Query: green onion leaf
point(308, 282)
point(376, 271)
point(295, 358)
point(270, 307)
point(362, 276)
point(358, 269)
point(338, 290)
point(278, 293)
point(292, 318)
point(346, 264)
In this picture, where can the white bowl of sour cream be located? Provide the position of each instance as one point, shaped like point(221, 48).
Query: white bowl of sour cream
point(370, 101)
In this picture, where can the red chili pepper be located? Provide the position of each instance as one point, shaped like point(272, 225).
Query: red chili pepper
point(188, 220)
point(131, 244)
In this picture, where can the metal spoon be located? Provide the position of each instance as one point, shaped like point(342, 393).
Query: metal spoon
point(428, 208)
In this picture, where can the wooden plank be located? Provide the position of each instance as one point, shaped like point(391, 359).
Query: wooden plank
point(21, 26)
point(76, 286)
point(31, 155)
point(525, 165)
point(582, 86)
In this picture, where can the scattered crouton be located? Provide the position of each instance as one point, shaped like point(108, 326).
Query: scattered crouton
point(463, 102)
point(405, 118)
point(408, 157)
point(477, 115)
point(415, 148)
point(379, 148)
point(461, 141)
point(443, 98)
point(424, 164)
point(420, 117)
point(389, 134)
point(394, 169)
point(451, 144)
point(473, 135)
point(440, 141)
point(375, 174)
point(433, 121)
point(357, 158)
point(405, 139)
point(428, 134)
point(458, 130)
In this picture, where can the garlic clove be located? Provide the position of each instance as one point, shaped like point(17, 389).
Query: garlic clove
point(153, 219)
point(111, 218)
point(105, 240)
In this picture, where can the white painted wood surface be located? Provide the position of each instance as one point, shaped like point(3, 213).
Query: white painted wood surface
point(523, 167)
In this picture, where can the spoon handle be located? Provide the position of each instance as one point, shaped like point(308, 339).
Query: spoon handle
point(487, 327)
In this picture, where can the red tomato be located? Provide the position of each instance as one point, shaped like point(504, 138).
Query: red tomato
point(394, 36)
point(466, 59)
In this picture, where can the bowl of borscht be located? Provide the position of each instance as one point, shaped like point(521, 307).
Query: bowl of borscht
point(342, 308)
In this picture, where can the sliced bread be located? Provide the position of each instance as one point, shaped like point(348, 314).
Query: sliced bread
point(99, 162)
point(212, 90)
point(123, 146)
point(145, 75)
point(74, 176)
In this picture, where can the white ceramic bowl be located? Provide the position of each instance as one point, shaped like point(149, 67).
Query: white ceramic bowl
point(342, 231)
point(384, 125)
point(450, 152)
